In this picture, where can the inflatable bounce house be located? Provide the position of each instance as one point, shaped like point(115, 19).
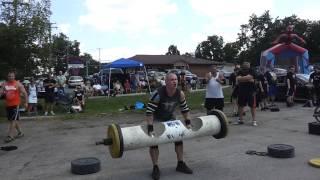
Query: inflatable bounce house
point(286, 53)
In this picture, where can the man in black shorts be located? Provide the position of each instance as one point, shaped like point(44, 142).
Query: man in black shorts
point(161, 107)
point(246, 92)
point(315, 80)
point(49, 85)
point(11, 91)
point(291, 85)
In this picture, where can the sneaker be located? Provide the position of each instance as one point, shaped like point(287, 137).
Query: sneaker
point(155, 173)
point(46, 113)
point(8, 139)
point(182, 167)
point(254, 123)
point(19, 135)
point(52, 113)
point(239, 122)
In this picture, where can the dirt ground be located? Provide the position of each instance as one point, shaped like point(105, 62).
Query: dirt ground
point(50, 144)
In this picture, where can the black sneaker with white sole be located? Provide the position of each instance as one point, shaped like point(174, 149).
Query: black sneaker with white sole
point(182, 167)
point(155, 173)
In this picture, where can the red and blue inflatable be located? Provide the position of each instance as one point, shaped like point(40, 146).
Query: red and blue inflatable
point(285, 48)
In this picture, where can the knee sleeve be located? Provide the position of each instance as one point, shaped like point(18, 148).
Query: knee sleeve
point(153, 147)
point(178, 143)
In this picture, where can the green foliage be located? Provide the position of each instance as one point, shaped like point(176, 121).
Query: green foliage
point(211, 49)
point(24, 30)
point(173, 50)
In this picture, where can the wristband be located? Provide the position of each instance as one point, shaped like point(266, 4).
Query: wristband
point(187, 121)
point(150, 128)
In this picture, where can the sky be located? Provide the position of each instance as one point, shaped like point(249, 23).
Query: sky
point(124, 28)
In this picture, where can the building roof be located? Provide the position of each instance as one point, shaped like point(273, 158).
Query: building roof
point(171, 59)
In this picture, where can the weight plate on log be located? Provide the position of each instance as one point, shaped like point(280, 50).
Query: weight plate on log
point(84, 166)
point(281, 151)
point(223, 121)
point(114, 132)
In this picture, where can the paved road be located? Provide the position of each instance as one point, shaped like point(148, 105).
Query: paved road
point(51, 144)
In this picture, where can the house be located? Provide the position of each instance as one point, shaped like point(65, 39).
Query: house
point(196, 65)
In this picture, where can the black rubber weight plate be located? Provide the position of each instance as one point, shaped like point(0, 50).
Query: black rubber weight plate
point(314, 128)
point(85, 166)
point(281, 151)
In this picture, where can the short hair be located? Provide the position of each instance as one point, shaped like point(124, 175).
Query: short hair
point(12, 71)
point(170, 74)
point(245, 64)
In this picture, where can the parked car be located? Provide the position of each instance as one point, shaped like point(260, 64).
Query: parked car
point(226, 71)
point(75, 81)
point(188, 74)
point(302, 91)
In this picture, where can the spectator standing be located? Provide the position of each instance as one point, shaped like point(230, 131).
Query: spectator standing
point(49, 85)
point(234, 85)
point(11, 90)
point(61, 82)
point(32, 97)
point(214, 95)
point(272, 86)
point(291, 85)
point(262, 90)
point(247, 94)
point(315, 80)
point(183, 81)
point(127, 87)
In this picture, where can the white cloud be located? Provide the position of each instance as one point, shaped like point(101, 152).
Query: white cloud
point(64, 28)
point(312, 12)
point(129, 16)
point(227, 16)
point(111, 54)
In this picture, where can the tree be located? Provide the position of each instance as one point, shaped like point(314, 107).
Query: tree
point(173, 50)
point(230, 52)
point(24, 32)
point(92, 65)
point(62, 48)
point(210, 49)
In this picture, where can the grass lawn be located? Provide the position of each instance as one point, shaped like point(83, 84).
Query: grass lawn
point(111, 105)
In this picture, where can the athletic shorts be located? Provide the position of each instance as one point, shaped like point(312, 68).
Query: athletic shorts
point(49, 98)
point(316, 91)
point(234, 93)
point(214, 103)
point(247, 99)
point(13, 113)
point(175, 144)
point(272, 90)
point(290, 92)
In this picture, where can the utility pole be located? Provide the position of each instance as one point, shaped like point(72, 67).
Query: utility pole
point(50, 41)
point(101, 77)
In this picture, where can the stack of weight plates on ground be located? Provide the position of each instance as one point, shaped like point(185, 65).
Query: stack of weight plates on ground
point(84, 166)
point(281, 151)
point(314, 127)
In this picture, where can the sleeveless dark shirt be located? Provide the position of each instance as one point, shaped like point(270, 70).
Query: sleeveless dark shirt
point(167, 105)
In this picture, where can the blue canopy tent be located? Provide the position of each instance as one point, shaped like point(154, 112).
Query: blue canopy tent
point(126, 63)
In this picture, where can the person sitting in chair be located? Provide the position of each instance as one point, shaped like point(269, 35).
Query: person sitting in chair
point(78, 99)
